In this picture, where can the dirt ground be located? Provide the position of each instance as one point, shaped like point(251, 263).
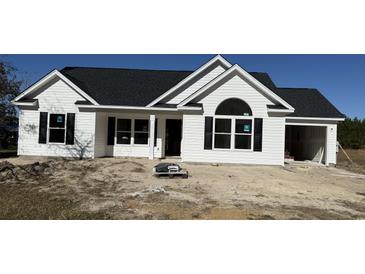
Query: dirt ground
point(124, 188)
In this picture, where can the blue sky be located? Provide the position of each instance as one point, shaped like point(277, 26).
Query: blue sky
point(341, 78)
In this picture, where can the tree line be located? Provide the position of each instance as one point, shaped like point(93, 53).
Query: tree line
point(351, 133)
point(9, 88)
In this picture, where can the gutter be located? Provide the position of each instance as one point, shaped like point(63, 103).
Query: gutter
point(25, 104)
point(106, 107)
point(316, 118)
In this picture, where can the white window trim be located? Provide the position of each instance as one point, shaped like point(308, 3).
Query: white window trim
point(148, 132)
point(132, 144)
point(221, 133)
point(233, 132)
point(49, 128)
point(116, 131)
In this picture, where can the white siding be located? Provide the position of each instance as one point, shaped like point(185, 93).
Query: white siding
point(118, 150)
point(190, 89)
point(56, 97)
point(236, 87)
point(331, 144)
point(272, 144)
point(273, 128)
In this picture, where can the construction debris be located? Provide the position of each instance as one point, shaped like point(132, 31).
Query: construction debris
point(170, 170)
point(142, 193)
point(21, 172)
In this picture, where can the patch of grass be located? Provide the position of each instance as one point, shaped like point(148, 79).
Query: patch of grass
point(357, 156)
point(22, 202)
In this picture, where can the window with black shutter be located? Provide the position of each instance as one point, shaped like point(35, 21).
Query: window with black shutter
point(57, 128)
point(233, 126)
point(222, 133)
point(124, 131)
point(243, 134)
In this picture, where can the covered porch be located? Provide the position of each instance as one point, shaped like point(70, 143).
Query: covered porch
point(138, 134)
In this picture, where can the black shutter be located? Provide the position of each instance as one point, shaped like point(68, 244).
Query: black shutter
point(70, 129)
point(111, 130)
point(208, 133)
point(258, 135)
point(43, 117)
point(155, 140)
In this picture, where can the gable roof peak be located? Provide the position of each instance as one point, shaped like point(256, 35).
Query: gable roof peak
point(221, 59)
point(218, 58)
point(246, 75)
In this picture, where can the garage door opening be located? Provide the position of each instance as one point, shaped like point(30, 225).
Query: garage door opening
point(305, 143)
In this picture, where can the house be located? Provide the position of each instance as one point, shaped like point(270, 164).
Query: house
point(219, 113)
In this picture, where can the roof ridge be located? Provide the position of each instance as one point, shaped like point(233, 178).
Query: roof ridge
point(134, 69)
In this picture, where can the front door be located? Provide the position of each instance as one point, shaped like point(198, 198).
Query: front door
point(173, 137)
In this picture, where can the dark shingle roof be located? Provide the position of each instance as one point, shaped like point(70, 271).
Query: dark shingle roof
point(264, 78)
point(135, 87)
point(125, 87)
point(132, 87)
point(308, 103)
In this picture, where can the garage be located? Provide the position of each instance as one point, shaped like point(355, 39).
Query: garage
point(305, 143)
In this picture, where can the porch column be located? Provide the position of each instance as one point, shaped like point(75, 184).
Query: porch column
point(152, 136)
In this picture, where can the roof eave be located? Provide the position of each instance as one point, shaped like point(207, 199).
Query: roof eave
point(111, 107)
point(316, 118)
point(281, 110)
point(189, 108)
point(25, 104)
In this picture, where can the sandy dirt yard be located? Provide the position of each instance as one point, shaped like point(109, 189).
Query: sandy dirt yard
point(124, 188)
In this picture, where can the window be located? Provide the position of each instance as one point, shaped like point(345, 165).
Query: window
point(222, 133)
point(57, 128)
point(243, 134)
point(124, 131)
point(141, 132)
point(234, 106)
point(233, 125)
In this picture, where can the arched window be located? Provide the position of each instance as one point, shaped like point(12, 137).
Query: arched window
point(234, 106)
point(234, 130)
